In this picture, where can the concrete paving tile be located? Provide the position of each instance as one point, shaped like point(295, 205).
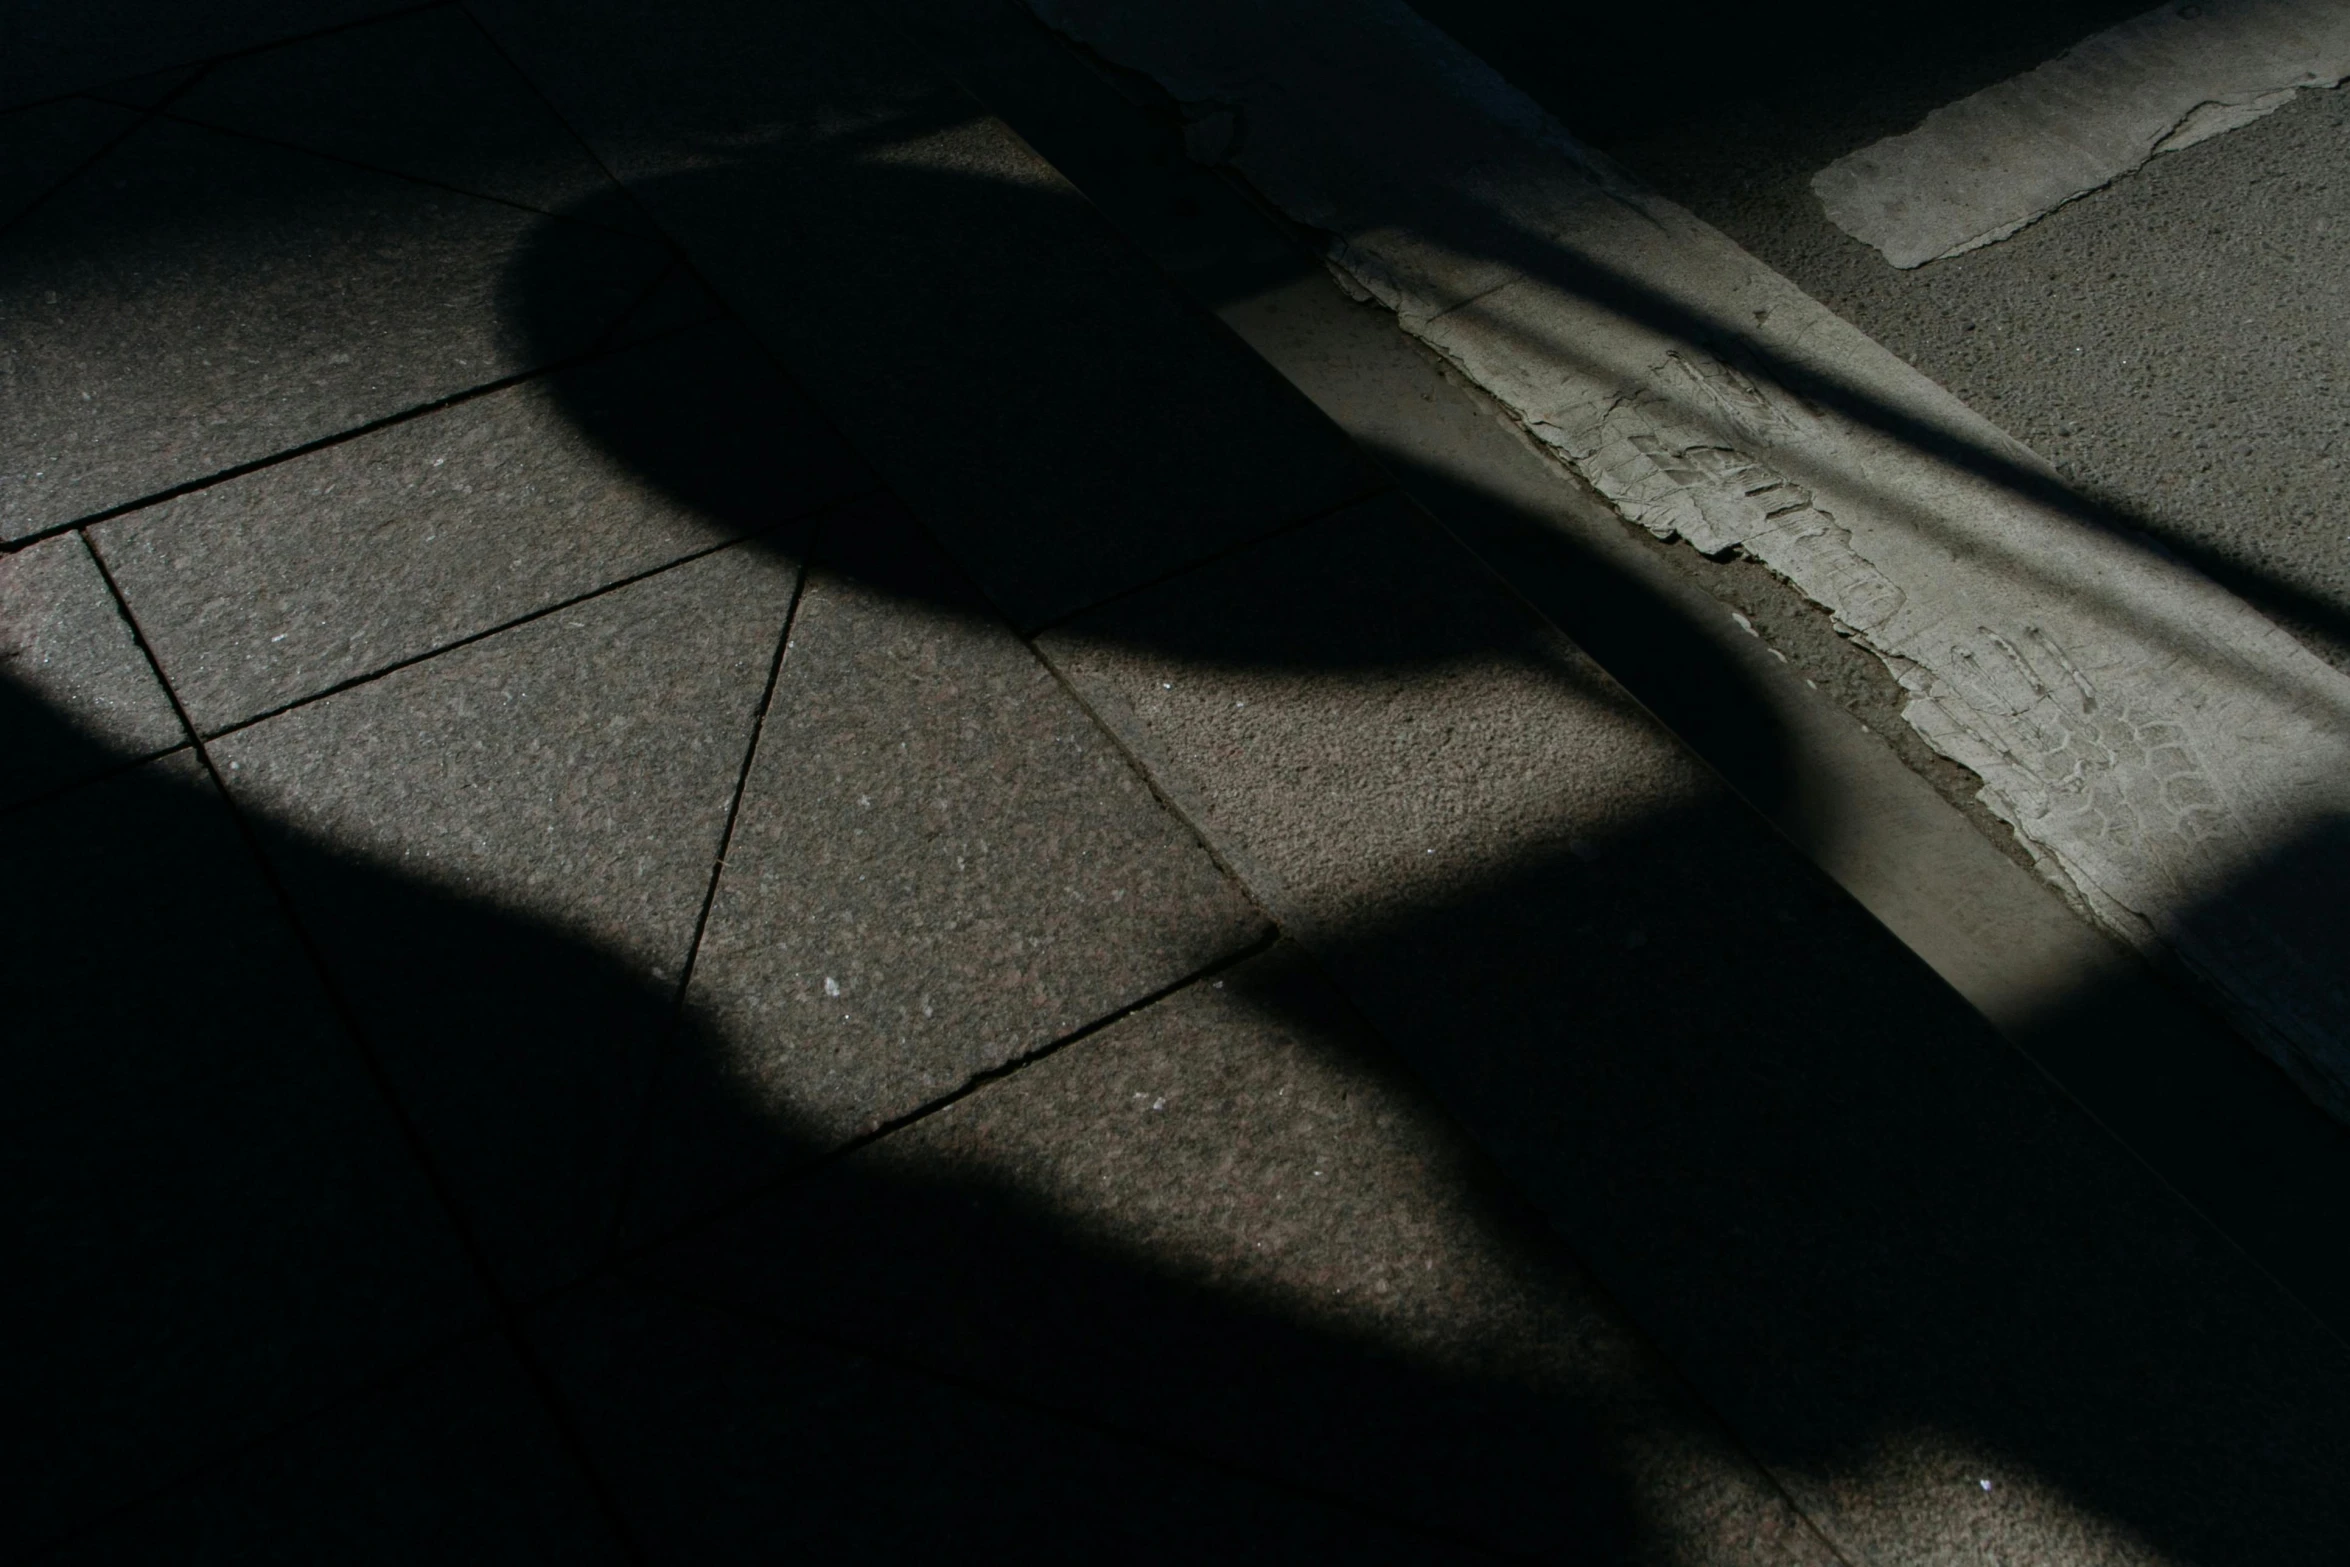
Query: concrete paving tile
point(940, 865)
point(1373, 716)
point(1874, 1238)
point(726, 1442)
point(54, 49)
point(1234, 1223)
point(1126, 155)
point(426, 95)
point(64, 644)
point(287, 581)
point(42, 145)
point(680, 299)
point(196, 300)
point(503, 852)
point(983, 336)
point(214, 1224)
point(454, 1462)
point(146, 91)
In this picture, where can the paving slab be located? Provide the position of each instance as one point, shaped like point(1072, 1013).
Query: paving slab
point(941, 864)
point(424, 94)
point(40, 146)
point(680, 299)
point(1895, 1260)
point(196, 301)
point(728, 1442)
point(52, 48)
point(1132, 162)
point(149, 90)
point(65, 645)
point(504, 852)
point(1474, 732)
point(311, 573)
point(216, 1226)
point(1234, 1223)
point(455, 1461)
point(802, 155)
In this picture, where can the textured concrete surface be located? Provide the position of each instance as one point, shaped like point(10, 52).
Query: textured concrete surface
point(1234, 1222)
point(307, 574)
point(2163, 749)
point(1732, 660)
point(54, 47)
point(1975, 171)
point(425, 95)
point(40, 146)
point(216, 1227)
point(2164, 342)
point(1813, 1175)
point(196, 301)
point(554, 798)
point(64, 644)
point(680, 299)
point(855, 177)
point(454, 1461)
point(386, 1199)
point(734, 1442)
point(150, 90)
point(941, 864)
point(2170, 343)
point(1389, 737)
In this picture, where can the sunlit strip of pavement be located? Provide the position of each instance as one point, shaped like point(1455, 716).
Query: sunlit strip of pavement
point(2217, 1122)
point(2169, 756)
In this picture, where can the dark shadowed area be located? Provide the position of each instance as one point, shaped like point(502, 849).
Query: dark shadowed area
point(728, 843)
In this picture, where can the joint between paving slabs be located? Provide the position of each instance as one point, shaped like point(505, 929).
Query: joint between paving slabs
point(508, 1317)
point(1273, 935)
point(160, 109)
point(162, 112)
point(624, 1264)
point(1302, 938)
point(621, 1257)
point(1174, 800)
point(1311, 248)
point(205, 63)
point(113, 769)
point(541, 613)
point(105, 150)
point(664, 1047)
point(1132, 1437)
point(587, 150)
point(602, 349)
point(220, 1460)
point(1218, 557)
point(1507, 1191)
point(121, 764)
point(506, 1314)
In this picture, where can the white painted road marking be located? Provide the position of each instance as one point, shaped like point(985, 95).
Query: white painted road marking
point(1979, 169)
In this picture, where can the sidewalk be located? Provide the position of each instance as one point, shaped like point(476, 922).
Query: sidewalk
point(730, 843)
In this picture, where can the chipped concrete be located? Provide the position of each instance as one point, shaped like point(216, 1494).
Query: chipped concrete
point(1979, 169)
point(2150, 738)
